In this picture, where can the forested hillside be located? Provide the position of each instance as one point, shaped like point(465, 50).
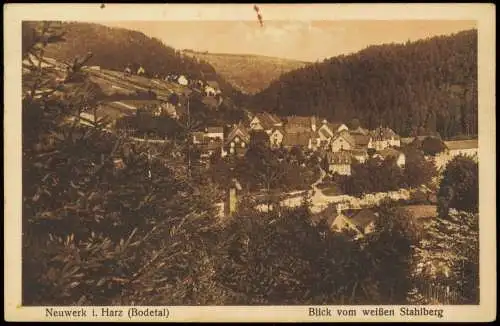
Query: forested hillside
point(248, 73)
point(427, 84)
point(115, 48)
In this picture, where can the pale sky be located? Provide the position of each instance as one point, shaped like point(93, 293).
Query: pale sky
point(300, 40)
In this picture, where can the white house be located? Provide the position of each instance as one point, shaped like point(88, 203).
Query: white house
point(141, 71)
point(342, 141)
point(237, 141)
point(182, 80)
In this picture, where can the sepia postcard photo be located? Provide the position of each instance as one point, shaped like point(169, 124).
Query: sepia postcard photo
point(250, 162)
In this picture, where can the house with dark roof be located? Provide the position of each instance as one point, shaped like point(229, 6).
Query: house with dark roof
point(331, 128)
point(405, 141)
point(237, 141)
point(337, 221)
point(365, 219)
point(361, 141)
point(339, 162)
point(294, 137)
point(301, 122)
point(265, 121)
point(383, 137)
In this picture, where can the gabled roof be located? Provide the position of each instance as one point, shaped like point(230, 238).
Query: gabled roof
point(278, 128)
point(274, 118)
point(345, 134)
point(324, 133)
point(339, 222)
point(462, 144)
point(360, 140)
point(364, 217)
point(238, 130)
point(340, 157)
point(407, 140)
point(359, 131)
point(267, 120)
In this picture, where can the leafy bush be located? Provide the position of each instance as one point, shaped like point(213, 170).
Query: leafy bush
point(459, 186)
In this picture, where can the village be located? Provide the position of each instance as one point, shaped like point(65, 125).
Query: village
point(336, 146)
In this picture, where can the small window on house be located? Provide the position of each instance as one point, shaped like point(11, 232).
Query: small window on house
point(231, 150)
point(237, 140)
point(232, 145)
point(243, 145)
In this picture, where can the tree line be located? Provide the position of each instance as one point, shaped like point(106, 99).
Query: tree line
point(429, 85)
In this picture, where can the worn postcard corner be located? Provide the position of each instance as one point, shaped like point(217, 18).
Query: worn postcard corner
point(250, 162)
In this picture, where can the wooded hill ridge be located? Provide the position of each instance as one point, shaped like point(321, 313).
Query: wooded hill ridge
point(248, 73)
point(114, 48)
point(429, 84)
